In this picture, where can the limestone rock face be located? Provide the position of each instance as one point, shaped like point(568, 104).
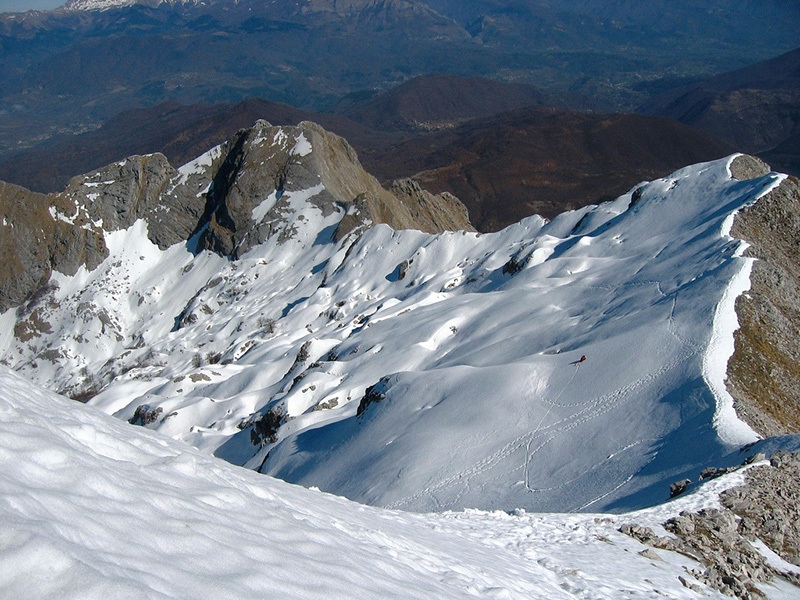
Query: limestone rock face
point(434, 213)
point(764, 509)
point(35, 238)
point(254, 191)
point(237, 195)
point(141, 187)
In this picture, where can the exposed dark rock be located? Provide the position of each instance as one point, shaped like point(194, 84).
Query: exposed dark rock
point(678, 487)
point(714, 472)
point(327, 405)
point(403, 267)
point(144, 415)
point(267, 160)
point(746, 167)
point(769, 505)
point(733, 565)
point(648, 537)
point(518, 262)
point(265, 427)
point(766, 508)
point(33, 242)
point(302, 356)
point(374, 393)
point(217, 197)
point(439, 212)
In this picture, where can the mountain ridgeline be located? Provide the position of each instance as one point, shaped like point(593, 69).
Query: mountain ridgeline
point(208, 203)
point(270, 303)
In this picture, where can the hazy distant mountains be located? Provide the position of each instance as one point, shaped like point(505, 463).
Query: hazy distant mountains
point(543, 160)
point(180, 77)
point(71, 70)
point(491, 144)
point(757, 109)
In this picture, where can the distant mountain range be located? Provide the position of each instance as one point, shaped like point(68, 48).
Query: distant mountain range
point(71, 70)
point(491, 144)
point(542, 160)
point(757, 109)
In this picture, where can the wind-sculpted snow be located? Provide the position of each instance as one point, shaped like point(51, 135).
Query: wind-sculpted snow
point(431, 372)
point(94, 508)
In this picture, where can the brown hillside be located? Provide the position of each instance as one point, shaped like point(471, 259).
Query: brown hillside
point(543, 160)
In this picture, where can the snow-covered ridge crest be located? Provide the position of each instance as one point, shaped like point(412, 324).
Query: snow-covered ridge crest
point(414, 370)
point(108, 4)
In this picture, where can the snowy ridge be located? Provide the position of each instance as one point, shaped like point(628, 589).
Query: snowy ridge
point(427, 372)
point(93, 508)
point(108, 4)
point(97, 4)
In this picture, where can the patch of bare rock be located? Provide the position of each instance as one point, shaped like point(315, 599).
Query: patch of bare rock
point(724, 540)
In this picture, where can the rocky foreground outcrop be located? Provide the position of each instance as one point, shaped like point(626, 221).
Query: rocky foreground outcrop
point(725, 540)
point(216, 202)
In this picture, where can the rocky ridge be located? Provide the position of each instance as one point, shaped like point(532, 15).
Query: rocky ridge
point(248, 349)
point(764, 372)
point(726, 540)
point(217, 200)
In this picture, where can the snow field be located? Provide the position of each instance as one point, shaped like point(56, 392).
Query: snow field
point(94, 508)
point(474, 336)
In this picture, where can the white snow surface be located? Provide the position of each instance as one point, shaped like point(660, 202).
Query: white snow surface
point(110, 4)
point(95, 509)
point(479, 399)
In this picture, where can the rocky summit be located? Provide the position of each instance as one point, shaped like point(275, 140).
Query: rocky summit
point(231, 198)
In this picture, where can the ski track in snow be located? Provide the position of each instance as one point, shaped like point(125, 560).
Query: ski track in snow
point(589, 410)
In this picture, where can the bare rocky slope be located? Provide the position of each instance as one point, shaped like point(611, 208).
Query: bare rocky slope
point(726, 540)
point(764, 372)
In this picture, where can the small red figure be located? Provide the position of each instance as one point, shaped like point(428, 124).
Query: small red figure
point(583, 358)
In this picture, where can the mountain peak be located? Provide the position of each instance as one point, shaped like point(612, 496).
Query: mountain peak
point(269, 174)
point(444, 369)
point(108, 4)
point(101, 4)
point(265, 182)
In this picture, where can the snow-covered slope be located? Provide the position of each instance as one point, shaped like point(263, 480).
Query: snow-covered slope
point(107, 4)
point(427, 372)
point(93, 508)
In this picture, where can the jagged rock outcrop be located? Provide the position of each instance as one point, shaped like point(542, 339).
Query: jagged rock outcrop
point(34, 241)
point(437, 212)
point(250, 199)
point(769, 505)
point(764, 372)
point(764, 509)
point(61, 232)
point(143, 187)
point(233, 197)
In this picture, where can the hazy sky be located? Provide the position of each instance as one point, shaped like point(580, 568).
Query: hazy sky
point(21, 5)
